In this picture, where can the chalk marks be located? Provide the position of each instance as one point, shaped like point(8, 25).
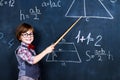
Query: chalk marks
point(113, 1)
point(1, 35)
point(8, 42)
point(100, 55)
point(35, 12)
point(32, 12)
point(11, 43)
point(80, 38)
point(64, 52)
point(51, 4)
point(82, 8)
point(67, 51)
point(9, 3)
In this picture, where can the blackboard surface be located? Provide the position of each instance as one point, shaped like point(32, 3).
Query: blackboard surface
point(89, 51)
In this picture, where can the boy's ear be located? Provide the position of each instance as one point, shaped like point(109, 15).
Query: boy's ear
point(20, 38)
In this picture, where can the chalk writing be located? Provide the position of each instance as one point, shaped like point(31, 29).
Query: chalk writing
point(1, 35)
point(99, 54)
point(51, 4)
point(32, 12)
point(10, 3)
point(3, 40)
point(89, 39)
point(11, 43)
point(113, 1)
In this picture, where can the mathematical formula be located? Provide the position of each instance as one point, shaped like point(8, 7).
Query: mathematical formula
point(3, 40)
point(94, 54)
point(88, 39)
point(100, 55)
point(10, 3)
point(34, 12)
point(51, 4)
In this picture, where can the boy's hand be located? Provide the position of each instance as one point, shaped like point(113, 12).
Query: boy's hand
point(49, 49)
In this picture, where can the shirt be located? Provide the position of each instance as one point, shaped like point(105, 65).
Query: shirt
point(25, 54)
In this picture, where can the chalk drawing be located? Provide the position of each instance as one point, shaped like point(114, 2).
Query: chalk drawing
point(93, 9)
point(64, 52)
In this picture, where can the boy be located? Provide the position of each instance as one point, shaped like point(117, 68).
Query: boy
point(25, 54)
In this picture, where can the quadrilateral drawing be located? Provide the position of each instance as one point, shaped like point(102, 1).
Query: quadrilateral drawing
point(64, 52)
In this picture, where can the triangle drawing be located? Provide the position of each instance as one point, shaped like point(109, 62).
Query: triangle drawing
point(88, 9)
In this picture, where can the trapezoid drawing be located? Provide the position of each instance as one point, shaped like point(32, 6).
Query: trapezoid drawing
point(64, 52)
point(88, 9)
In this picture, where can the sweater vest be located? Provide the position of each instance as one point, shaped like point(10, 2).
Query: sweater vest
point(26, 69)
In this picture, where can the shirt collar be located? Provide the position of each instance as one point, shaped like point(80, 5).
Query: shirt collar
point(25, 44)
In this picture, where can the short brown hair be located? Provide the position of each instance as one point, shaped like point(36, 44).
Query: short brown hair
point(22, 28)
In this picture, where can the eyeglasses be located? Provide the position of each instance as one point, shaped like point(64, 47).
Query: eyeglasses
point(27, 34)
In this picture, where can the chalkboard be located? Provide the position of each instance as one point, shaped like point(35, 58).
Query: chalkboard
point(89, 51)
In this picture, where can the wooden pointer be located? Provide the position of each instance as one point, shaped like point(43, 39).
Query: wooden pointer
point(67, 31)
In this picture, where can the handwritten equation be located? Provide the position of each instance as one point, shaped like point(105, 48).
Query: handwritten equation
point(51, 4)
point(34, 12)
point(98, 54)
point(88, 39)
point(94, 54)
point(9, 3)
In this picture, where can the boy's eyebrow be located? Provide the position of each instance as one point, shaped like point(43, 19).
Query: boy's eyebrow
point(28, 33)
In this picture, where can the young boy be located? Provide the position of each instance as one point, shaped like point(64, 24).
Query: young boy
point(25, 54)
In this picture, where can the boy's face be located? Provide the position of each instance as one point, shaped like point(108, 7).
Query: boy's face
point(27, 37)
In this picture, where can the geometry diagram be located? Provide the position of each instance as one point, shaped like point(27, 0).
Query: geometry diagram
point(88, 9)
point(64, 52)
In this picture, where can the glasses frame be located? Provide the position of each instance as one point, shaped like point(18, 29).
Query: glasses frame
point(27, 35)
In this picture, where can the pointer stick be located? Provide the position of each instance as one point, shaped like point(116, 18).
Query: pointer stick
point(67, 31)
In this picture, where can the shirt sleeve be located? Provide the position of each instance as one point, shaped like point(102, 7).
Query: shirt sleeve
point(26, 55)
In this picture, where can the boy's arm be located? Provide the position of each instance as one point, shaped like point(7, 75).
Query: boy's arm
point(38, 57)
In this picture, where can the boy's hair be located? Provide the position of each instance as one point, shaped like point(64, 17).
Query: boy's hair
point(22, 28)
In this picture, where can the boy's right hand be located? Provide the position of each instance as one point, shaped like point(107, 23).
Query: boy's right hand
point(49, 49)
